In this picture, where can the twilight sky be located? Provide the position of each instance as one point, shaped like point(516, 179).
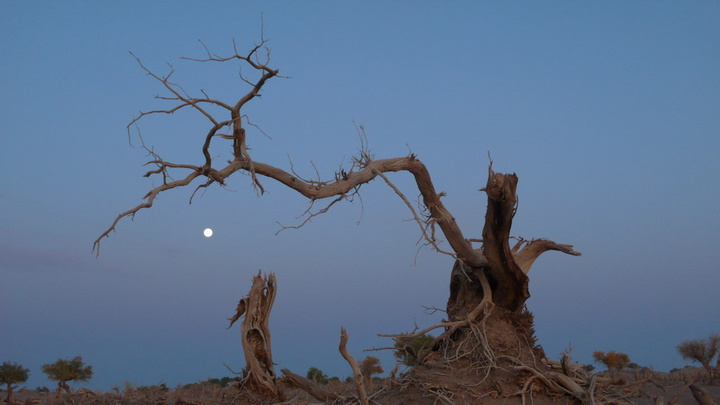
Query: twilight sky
point(608, 112)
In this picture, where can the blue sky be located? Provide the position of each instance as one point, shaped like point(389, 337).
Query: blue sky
point(608, 113)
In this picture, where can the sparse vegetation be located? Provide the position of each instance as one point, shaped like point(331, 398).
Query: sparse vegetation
point(703, 352)
point(316, 375)
point(12, 373)
point(159, 387)
point(64, 371)
point(614, 361)
point(223, 382)
point(369, 366)
point(407, 350)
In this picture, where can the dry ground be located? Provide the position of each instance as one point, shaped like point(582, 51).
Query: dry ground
point(641, 387)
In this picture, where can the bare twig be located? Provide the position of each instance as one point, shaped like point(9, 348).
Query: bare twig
point(422, 224)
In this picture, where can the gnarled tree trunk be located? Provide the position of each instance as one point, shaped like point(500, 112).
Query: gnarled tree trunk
point(504, 268)
point(259, 374)
point(492, 291)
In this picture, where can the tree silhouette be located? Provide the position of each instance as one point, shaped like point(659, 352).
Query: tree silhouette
point(369, 366)
point(316, 375)
point(12, 373)
point(64, 371)
point(702, 351)
point(614, 361)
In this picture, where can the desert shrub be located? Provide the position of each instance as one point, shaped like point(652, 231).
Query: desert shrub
point(315, 374)
point(369, 366)
point(612, 360)
point(223, 382)
point(701, 351)
point(63, 371)
point(147, 388)
point(42, 389)
point(12, 373)
point(407, 349)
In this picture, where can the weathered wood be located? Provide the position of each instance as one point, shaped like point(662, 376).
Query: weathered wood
point(505, 267)
point(311, 388)
point(510, 284)
point(526, 256)
point(357, 375)
point(259, 374)
point(702, 396)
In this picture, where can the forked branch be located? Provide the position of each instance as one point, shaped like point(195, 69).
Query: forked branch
point(345, 184)
point(365, 169)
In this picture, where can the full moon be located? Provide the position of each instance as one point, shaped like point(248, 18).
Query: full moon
point(207, 232)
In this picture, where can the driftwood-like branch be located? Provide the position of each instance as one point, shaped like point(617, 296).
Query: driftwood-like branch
point(357, 375)
point(317, 391)
point(702, 396)
point(526, 256)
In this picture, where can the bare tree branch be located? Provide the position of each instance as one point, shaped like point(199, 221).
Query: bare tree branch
point(423, 224)
point(345, 184)
point(533, 249)
point(357, 375)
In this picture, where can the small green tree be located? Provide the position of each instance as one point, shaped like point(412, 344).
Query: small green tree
point(369, 366)
point(223, 382)
point(12, 373)
point(702, 351)
point(407, 349)
point(63, 371)
point(614, 361)
point(315, 374)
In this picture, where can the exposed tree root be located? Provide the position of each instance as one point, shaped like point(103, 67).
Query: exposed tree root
point(496, 358)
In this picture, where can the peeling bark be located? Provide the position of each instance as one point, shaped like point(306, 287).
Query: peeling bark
point(504, 267)
point(509, 283)
point(259, 374)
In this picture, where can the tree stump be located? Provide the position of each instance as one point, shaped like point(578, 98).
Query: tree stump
point(259, 376)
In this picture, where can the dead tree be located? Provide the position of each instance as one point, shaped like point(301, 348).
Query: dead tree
point(488, 285)
point(259, 374)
